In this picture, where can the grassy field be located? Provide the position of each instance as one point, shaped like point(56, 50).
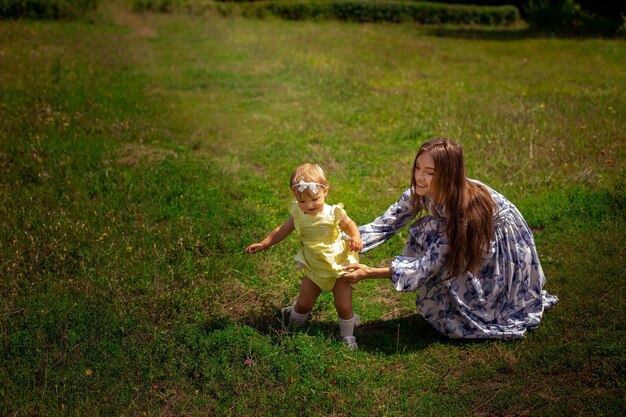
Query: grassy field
point(140, 154)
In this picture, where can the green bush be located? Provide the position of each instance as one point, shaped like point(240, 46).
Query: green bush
point(519, 4)
point(151, 5)
point(612, 9)
point(386, 11)
point(45, 9)
point(573, 17)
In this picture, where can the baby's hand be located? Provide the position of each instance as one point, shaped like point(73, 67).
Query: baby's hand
point(356, 244)
point(255, 247)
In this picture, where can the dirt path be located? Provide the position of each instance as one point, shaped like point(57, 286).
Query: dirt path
point(122, 16)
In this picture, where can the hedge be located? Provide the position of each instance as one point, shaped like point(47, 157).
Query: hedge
point(45, 9)
point(384, 11)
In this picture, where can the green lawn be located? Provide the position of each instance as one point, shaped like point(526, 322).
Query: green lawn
point(141, 154)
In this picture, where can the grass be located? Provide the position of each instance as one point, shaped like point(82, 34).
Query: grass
point(140, 154)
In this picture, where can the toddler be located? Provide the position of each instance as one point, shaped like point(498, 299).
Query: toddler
point(323, 252)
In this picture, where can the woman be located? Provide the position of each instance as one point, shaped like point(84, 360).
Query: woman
point(470, 255)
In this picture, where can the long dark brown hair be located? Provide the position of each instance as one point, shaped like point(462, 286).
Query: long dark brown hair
point(469, 207)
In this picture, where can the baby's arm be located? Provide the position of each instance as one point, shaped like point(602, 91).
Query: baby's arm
point(273, 237)
point(349, 226)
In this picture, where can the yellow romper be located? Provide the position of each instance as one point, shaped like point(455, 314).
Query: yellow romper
point(322, 251)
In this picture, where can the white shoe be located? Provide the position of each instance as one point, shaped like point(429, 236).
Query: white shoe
point(350, 341)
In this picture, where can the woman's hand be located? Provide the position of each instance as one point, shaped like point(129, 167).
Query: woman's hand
point(356, 272)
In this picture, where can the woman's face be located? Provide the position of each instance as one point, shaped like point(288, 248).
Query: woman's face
point(424, 174)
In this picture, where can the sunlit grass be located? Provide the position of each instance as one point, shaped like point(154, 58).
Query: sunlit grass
point(140, 154)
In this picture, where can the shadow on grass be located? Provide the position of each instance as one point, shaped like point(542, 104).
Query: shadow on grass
point(484, 34)
point(395, 336)
point(400, 335)
point(514, 34)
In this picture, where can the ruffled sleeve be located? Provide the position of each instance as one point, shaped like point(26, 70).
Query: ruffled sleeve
point(338, 213)
point(423, 257)
point(398, 215)
point(293, 206)
point(294, 211)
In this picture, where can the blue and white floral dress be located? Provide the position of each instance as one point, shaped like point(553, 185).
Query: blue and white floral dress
point(502, 301)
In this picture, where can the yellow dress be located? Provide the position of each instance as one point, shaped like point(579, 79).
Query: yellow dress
point(323, 251)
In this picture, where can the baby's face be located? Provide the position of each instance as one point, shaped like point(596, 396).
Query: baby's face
point(311, 203)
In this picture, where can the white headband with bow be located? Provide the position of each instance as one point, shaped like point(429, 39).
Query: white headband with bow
point(303, 185)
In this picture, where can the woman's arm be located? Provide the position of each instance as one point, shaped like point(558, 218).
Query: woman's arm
point(406, 274)
point(357, 272)
point(398, 215)
point(424, 257)
point(273, 237)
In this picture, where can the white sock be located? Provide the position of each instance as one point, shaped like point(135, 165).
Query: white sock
point(297, 319)
point(346, 327)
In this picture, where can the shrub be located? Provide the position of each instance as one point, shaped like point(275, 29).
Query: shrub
point(151, 5)
point(576, 18)
point(519, 4)
point(612, 9)
point(45, 9)
point(387, 11)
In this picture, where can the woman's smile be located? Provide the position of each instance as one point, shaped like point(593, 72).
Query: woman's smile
point(424, 173)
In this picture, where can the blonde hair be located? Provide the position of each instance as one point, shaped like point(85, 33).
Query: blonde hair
point(309, 173)
point(469, 207)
